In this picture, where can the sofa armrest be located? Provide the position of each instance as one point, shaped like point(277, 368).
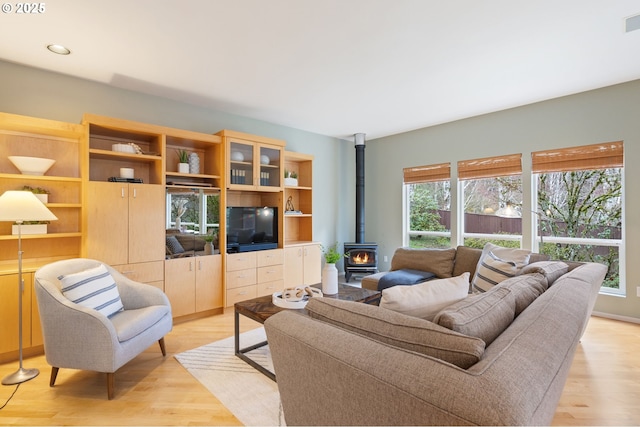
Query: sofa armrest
point(371, 281)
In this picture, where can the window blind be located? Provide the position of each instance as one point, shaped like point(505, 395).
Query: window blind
point(490, 167)
point(428, 173)
point(596, 156)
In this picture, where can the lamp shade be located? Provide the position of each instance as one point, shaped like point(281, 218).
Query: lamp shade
point(20, 206)
point(508, 212)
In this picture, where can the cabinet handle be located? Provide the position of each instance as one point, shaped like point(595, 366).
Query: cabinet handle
point(135, 194)
point(199, 265)
point(305, 251)
point(299, 252)
point(122, 192)
point(128, 272)
point(242, 293)
point(190, 266)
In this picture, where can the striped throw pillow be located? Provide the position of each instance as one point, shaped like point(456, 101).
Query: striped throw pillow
point(94, 288)
point(491, 271)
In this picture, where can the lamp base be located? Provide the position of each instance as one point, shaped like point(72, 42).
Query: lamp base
point(20, 376)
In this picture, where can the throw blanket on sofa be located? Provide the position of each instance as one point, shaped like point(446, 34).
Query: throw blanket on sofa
point(404, 277)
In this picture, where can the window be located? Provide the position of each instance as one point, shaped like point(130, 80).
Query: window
point(579, 206)
point(491, 194)
point(427, 202)
point(193, 211)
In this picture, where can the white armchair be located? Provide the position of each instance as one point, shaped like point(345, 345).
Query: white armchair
point(78, 337)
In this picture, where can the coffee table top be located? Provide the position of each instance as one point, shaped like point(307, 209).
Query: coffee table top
point(261, 308)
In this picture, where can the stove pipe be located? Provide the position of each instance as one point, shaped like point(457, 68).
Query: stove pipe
point(359, 144)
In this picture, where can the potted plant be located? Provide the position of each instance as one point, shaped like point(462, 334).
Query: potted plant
point(183, 161)
point(30, 227)
point(41, 193)
point(330, 272)
point(290, 178)
point(208, 247)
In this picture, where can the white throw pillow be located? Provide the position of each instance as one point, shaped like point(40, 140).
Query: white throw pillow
point(497, 264)
point(427, 299)
point(93, 288)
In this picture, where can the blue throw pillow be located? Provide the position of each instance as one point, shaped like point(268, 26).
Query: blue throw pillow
point(404, 277)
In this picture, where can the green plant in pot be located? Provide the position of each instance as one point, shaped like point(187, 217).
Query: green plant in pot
point(209, 239)
point(330, 272)
point(183, 161)
point(41, 193)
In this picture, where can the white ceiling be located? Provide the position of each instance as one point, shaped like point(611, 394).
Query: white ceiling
point(336, 67)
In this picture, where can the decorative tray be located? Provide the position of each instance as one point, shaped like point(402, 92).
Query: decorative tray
point(281, 302)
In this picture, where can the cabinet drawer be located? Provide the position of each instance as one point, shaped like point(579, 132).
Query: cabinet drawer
point(270, 287)
point(236, 279)
point(241, 294)
point(270, 257)
point(241, 261)
point(270, 273)
point(143, 272)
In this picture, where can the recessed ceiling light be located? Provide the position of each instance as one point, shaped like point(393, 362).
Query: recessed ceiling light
point(59, 49)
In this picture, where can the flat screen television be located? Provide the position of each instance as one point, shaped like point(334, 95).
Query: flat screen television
point(251, 228)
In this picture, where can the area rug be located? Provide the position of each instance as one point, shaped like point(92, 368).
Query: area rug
point(249, 395)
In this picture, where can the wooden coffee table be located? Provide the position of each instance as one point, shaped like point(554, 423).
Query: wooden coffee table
point(261, 308)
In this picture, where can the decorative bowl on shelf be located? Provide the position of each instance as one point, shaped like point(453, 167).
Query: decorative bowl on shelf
point(32, 165)
point(265, 160)
point(237, 156)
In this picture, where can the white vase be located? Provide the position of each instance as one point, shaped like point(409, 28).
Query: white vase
point(194, 163)
point(183, 167)
point(208, 248)
point(329, 279)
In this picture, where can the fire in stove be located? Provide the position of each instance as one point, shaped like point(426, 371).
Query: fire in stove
point(361, 258)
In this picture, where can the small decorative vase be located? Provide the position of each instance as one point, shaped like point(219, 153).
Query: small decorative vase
point(329, 279)
point(208, 248)
point(194, 163)
point(183, 167)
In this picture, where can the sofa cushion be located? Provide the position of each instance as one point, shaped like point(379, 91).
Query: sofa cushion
point(483, 315)
point(466, 261)
point(131, 323)
point(191, 242)
point(497, 264)
point(425, 300)
point(525, 288)
point(93, 288)
point(404, 277)
point(551, 270)
point(398, 330)
point(436, 261)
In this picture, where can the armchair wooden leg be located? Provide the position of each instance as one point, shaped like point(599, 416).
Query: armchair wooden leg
point(162, 348)
point(110, 384)
point(54, 375)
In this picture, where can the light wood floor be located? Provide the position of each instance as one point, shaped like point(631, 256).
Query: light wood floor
point(603, 387)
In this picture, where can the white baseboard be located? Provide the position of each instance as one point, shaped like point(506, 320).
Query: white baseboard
point(616, 317)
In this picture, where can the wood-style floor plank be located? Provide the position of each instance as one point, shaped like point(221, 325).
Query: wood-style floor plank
point(603, 387)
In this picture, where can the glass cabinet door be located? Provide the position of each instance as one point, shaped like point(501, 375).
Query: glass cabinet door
point(241, 161)
point(270, 167)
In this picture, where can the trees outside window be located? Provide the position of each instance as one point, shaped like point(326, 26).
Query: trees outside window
point(576, 213)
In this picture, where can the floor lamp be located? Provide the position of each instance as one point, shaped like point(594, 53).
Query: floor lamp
point(18, 207)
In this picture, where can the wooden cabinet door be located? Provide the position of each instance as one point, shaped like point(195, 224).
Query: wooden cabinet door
point(9, 312)
point(146, 223)
point(179, 285)
point(293, 267)
point(208, 282)
point(312, 264)
point(107, 238)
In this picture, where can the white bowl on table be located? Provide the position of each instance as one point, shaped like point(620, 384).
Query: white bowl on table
point(32, 165)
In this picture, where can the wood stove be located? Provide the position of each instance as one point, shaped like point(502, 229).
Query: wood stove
point(360, 258)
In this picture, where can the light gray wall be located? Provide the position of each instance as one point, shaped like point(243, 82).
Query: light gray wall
point(608, 114)
point(39, 93)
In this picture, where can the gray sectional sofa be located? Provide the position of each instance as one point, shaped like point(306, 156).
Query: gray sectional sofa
point(496, 358)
